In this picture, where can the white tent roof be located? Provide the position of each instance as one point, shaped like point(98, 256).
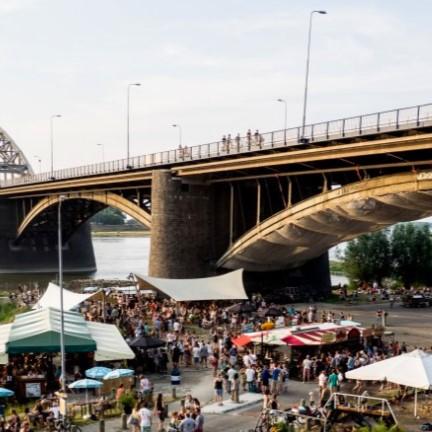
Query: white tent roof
point(110, 343)
point(51, 298)
point(228, 286)
point(413, 369)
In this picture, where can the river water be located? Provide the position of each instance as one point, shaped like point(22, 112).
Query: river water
point(116, 257)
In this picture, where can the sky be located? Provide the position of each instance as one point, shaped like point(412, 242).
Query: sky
point(214, 67)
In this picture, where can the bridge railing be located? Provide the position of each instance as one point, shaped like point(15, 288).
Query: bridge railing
point(380, 122)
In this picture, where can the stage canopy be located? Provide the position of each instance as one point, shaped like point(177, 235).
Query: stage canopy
point(39, 332)
point(51, 298)
point(228, 286)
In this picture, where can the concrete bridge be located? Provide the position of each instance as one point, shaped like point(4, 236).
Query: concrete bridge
point(271, 203)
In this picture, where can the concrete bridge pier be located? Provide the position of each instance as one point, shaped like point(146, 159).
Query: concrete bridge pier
point(181, 228)
point(38, 253)
point(188, 221)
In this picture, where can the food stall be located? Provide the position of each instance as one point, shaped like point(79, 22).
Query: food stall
point(294, 343)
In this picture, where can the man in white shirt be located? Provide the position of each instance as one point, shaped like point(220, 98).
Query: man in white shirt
point(322, 382)
point(307, 365)
point(247, 360)
point(145, 418)
point(250, 379)
point(145, 386)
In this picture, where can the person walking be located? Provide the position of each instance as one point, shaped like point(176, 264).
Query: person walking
point(145, 418)
point(160, 411)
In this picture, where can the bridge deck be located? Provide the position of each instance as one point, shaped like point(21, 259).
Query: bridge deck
point(363, 127)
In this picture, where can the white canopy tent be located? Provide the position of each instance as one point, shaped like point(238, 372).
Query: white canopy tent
point(110, 343)
point(413, 369)
point(228, 286)
point(51, 298)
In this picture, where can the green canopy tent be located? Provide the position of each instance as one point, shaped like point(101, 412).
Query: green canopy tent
point(39, 332)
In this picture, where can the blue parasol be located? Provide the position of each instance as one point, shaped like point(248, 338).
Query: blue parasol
point(119, 373)
point(4, 392)
point(85, 384)
point(97, 372)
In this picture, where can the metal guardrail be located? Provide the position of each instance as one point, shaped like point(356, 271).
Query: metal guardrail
point(380, 122)
point(361, 403)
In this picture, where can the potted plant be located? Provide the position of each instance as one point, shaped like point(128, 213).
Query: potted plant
point(127, 402)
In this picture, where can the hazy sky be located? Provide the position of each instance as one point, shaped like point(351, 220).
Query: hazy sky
point(215, 67)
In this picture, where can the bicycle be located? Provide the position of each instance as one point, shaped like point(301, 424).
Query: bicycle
point(65, 425)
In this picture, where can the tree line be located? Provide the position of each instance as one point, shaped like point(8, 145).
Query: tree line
point(403, 253)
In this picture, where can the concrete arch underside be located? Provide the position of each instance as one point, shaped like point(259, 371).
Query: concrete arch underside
point(308, 229)
point(107, 198)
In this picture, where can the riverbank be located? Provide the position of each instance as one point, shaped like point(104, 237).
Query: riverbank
point(121, 233)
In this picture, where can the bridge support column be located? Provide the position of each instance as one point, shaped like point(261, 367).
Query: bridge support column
point(37, 253)
point(181, 226)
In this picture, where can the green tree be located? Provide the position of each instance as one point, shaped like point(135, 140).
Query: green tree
point(367, 258)
point(109, 216)
point(411, 250)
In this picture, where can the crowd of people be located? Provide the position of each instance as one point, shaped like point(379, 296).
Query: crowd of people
point(229, 143)
point(199, 335)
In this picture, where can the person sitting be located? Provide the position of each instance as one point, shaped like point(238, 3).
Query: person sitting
point(303, 409)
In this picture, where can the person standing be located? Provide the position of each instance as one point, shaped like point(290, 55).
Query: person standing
point(199, 421)
point(145, 418)
point(307, 365)
point(322, 382)
point(160, 411)
point(250, 379)
point(187, 424)
point(218, 388)
point(265, 379)
point(275, 379)
point(235, 388)
point(333, 381)
point(238, 141)
point(249, 138)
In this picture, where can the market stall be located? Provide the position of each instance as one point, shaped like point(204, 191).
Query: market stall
point(37, 333)
point(294, 343)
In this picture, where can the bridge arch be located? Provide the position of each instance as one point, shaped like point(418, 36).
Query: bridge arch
point(107, 198)
point(12, 159)
point(306, 230)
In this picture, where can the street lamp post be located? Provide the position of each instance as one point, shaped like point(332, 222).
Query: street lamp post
point(102, 146)
point(52, 142)
point(39, 160)
point(321, 12)
point(285, 117)
point(128, 123)
point(180, 133)
point(60, 270)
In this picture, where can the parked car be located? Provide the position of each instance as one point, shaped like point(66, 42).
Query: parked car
point(415, 300)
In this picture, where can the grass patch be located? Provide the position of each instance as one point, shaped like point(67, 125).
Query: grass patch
point(9, 310)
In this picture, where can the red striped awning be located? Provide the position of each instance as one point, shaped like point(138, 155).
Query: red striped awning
point(242, 340)
point(316, 337)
